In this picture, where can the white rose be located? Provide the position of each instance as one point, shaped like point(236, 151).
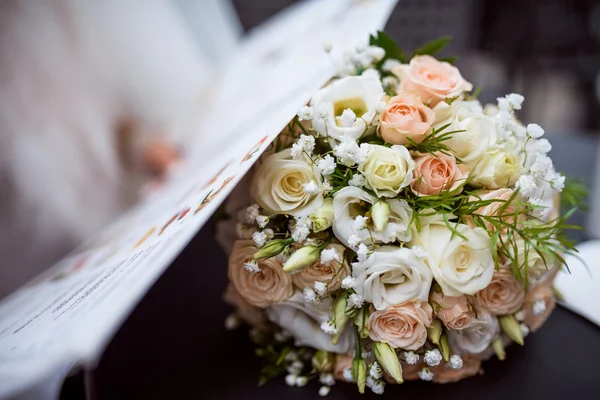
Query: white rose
point(351, 202)
point(479, 130)
point(361, 94)
point(496, 169)
point(304, 321)
point(278, 185)
point(392, 275)
point(461, 263)
point(476, 338)
point(388, 170)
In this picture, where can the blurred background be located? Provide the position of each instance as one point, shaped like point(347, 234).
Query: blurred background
point(99, 99)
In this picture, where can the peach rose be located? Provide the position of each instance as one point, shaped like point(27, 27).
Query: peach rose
point(405, 116)
point(248, 313)
point(332, 274)
point(539, 303)
point(493, 208)
point(342, 362)
point(401, 326)
point(431, 79)
point(504, 295)
point(453, 311)
point(444, 374)
point(263, 288)
point(437, 172)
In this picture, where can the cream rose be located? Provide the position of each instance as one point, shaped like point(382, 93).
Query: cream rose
point(278, 185)
point(540, 302)
point(405, 117)
point(504, 295)
point(437, 172)
point(332, 274)
point(351, 202)
point(390, 276)
point(453, 311)
point(431, 79)
point(361, 94)
point(402, 326)
point(496, 169)
point(270, 285)
point(477, 337)
point(477, 131)
point(443, 373)
point(387, 170)
point(303, 320)
point(460, 258)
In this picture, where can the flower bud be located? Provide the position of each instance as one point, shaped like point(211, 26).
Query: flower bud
point(323, 361)
point(380, 215)
point(322, 218)
point(360, 320)
point(511, 327)
point(339, 315)
point(272, 248)
point(444, 348)
point(302, 258)
point(434, 331)
point(387, 358)
point(359, 373)
point(498, 347)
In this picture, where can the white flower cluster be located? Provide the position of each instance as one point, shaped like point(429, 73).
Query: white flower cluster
point(538, 180)
point(360, 58)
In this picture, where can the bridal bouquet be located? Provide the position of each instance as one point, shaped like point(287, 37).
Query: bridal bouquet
point(398, 230)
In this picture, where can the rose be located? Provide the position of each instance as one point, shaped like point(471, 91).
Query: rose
point(401, 326)
point(431, 79)
point(518, 249)
point(453, 311)
point(392, 275)
point(540, 293)
point(278, 185)
point(504, 295)
point(459, 256)
point(248, 313)
point(405, 117)
point(267, 286)
point(387, 170)
point(350, 202)
point(361, 94)
point(332, 274)
point(303, 320)
point(496, 169)
point(497, 207)
point(343, 362)
point(436, 172)
point(443, 373)
point(476, 132)
point(477, 337)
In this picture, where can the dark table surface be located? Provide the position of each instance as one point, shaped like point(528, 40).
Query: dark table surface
point(175, 345)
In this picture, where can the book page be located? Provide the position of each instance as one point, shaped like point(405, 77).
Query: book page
point(66, 316)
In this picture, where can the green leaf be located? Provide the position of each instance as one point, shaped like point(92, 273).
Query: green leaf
point(434, 46)
point(392, 50)
point(450, 59)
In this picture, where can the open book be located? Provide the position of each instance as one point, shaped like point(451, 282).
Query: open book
point(66, 317)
